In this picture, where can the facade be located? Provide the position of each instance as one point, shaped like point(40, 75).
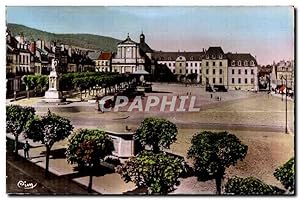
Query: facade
point(214, 67)
point(103, 63)
point(181, 63)
point(242, 71)
point(132, 57)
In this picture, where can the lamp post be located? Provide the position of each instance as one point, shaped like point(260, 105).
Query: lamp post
point(286, 91)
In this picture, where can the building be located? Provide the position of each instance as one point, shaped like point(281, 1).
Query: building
point(103, 63)
point(283, 74)
point(19, 62)
point(214, 67)
point(181, 63)
point(131, 56)
point(242, 71)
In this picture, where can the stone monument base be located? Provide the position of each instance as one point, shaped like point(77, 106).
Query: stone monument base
point(53, 96)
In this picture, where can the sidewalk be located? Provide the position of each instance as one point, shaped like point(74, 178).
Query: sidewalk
point(282, 96)
point(104, 182)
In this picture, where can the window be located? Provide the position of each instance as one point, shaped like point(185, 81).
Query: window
point(207, 56)
point(191, 64)
point(221, 63)
point(220, 56)
point(220, 80)
point(214, 71)
point(239, 72)
point(180, 71)
point(252, 80)
point(232, 71)
point(180, 58)
point(220, 72)
point(180, 64)
point(200, 71)
point(239, 80)
point(214, 63)
point(239, 63)
point(186, 64)
point(195, 64)
point(232, 80)
point(169, 58)
point(206, 63)
point(213, 56)
point(174, 71)
point(246, 71)
point(214, 80)
point(206, 71)
point(169, 64)
point(196, 71)
point(252, 63)
point(174, 64)
point(106, 63)
point(246, 81)
point(246, 63)
point(200, 64)
point(252, 71)
point(116, 70)
point(233, 63)
point(186, 71)
point(192, 58)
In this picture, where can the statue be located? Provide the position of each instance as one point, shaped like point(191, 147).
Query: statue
point(53, 94)
point(54, 65)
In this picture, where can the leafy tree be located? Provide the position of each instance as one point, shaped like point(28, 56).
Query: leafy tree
point(286, 175)
point(16, 119)
point(212, 152)
point(249, 186)
point(159, 173)
point(49, 129)
point(157, 133)
point(88, 147)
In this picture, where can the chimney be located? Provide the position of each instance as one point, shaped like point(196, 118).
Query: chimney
point(32, 47)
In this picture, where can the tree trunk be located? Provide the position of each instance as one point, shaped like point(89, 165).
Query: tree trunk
point(80, 95)
point(47, 160)
point(90, 181)
point(156, 148)
point(218, 184)
point(16, 145)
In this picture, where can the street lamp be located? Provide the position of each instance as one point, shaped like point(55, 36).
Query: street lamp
point(286, 91)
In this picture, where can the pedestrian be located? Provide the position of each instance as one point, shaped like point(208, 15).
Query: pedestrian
point(211, 96)
point(26, 149)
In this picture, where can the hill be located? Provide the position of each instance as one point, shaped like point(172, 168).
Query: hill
point(86, 41)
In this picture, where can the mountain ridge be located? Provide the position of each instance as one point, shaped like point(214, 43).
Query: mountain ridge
point(82, 40)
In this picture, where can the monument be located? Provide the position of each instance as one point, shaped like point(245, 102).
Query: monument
point(53, 94)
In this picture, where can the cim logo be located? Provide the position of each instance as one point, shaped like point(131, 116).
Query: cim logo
point(25, 185)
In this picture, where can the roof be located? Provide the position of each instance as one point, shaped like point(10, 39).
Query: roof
point(94, 55)
point(214, 51)
point(127, 41)
point(141, 72)
point(172, 56)
point(105, 56)
point(145, 48)
point(241, 57)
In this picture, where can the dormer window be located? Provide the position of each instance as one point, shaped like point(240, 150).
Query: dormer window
point(246, 63)
point(220, 56)
point(169, 58)
point(192, 58)
point(207, 56)
point(233, 63)
point(180, 58)
point(213, 56)
point(239, 63)
point(252, 63)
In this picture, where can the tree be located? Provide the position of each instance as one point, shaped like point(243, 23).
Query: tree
point(212, 152)
point(286, 175)
point(88, 147)
point(16, 119)
point(250, 186)
point(157, 133)
point(49, 129)
point(159, 173)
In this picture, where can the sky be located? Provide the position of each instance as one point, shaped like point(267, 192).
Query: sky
point(265, 32)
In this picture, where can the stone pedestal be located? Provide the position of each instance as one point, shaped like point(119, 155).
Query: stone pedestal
point(53, 94)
